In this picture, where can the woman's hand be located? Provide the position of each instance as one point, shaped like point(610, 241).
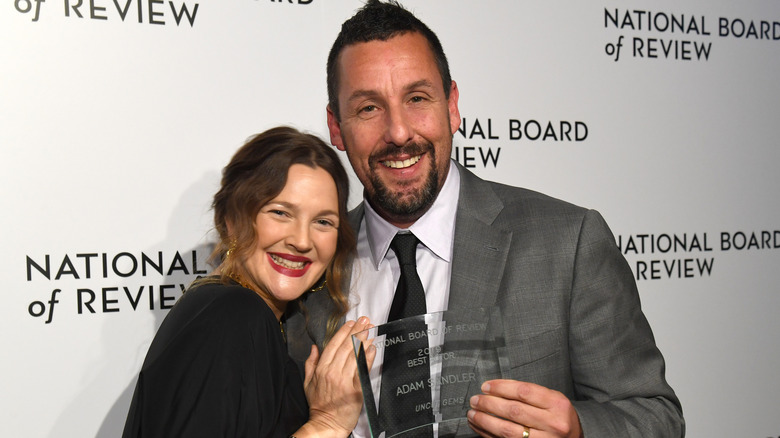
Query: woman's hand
point(332, 385)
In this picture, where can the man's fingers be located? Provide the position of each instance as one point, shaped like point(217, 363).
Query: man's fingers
point(489, 426)
point(521, 403)
point(526, 405)
point(526, 392)
point(512, 410)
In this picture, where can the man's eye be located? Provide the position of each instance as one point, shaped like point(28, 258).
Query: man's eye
point(368, 109)
point(417, 99)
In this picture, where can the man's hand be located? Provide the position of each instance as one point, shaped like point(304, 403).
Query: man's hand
point(508, 408)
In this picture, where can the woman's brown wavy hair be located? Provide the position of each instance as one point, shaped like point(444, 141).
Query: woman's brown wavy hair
point(256, 174)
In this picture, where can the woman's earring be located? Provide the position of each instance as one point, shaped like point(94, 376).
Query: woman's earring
point(231, 248)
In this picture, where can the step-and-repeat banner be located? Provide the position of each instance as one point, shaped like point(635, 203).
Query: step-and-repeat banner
point(116, 117)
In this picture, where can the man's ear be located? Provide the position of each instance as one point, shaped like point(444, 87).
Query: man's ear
point(452, 104)
point(334, 127)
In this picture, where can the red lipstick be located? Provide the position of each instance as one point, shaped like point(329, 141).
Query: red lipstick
point(290, 272)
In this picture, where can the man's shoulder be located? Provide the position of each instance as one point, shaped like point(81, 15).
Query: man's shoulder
point(527, 199)
point(516, 200)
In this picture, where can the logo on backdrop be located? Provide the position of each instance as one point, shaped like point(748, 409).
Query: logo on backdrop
point(678, 36)
point(152, 12)
point(689, 255)
point(110, 283)
point(512, 130)
point(141, 11)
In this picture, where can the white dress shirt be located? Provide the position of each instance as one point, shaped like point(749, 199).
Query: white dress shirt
point(375, 272)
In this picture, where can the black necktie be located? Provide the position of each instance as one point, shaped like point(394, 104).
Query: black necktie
point(405, 397)
point(409, 299)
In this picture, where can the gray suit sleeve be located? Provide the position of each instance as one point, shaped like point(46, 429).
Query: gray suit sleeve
point(618, 371)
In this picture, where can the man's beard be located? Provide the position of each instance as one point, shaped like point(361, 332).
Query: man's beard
point(403, 204)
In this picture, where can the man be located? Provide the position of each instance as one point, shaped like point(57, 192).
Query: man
point(582, 356)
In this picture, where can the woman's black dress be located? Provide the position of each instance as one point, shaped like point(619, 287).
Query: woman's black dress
point(218, 367)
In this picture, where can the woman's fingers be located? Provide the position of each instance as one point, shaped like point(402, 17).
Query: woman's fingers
point(340, 350)
point(338, 338)
point(311, 364)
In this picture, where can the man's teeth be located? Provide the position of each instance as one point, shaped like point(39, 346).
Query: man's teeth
point(402, 164)
point(287, 263)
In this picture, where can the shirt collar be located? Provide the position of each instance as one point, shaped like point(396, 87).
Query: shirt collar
point(435, 228)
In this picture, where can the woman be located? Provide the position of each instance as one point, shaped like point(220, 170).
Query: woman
point(218, 365)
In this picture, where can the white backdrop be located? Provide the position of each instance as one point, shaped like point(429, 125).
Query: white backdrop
point(116, 118)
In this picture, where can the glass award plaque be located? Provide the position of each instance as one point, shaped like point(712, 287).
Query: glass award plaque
point(427, 368)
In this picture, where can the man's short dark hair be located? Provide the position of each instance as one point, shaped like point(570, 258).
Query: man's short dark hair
point(378, 20)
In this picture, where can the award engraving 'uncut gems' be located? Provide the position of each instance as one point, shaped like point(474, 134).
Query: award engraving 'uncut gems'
point(431, 364)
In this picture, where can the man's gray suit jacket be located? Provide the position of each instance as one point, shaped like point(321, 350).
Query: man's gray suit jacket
point(570, 307)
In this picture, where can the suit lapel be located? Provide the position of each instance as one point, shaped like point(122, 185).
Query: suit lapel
point(480, 249)
point(478, 261)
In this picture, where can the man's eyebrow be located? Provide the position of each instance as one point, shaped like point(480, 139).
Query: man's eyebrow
point(359, 94)
point(422, 83)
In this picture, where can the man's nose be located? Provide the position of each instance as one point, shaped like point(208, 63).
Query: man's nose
point(398, 130)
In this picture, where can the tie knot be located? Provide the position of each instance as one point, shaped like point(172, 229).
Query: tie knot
point(405, 247)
